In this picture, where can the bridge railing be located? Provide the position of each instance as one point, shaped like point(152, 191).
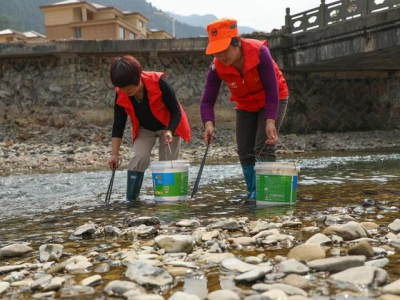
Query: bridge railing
point(328, 14)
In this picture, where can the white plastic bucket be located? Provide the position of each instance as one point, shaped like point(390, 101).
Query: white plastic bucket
point(170, 180)
point(276, 183)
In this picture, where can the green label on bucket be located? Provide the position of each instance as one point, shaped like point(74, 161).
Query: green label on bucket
point(170, 184)
point(276, 188)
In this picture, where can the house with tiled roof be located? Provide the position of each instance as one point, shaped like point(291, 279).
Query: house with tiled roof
point(86, 20)
point(10, 35)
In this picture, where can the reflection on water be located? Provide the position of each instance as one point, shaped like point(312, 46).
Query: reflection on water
point(41, 207)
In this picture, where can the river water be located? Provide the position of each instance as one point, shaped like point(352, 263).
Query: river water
point(36, 208)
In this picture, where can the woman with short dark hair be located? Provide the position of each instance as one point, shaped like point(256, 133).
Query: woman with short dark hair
point(155, 113)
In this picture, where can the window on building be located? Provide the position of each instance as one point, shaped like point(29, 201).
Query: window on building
point(78, 33)
point(141, 24)
point(122, 33)
point(131, 36)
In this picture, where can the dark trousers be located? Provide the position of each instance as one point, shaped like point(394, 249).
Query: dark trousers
point(251, 135)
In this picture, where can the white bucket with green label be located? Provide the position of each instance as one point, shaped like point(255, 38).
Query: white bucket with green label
point(170, 180)
point(276, 183)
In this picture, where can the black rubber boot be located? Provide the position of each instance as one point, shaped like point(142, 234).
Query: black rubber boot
point(134, 183)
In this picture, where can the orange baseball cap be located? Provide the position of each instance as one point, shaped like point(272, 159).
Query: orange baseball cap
point(220, 34)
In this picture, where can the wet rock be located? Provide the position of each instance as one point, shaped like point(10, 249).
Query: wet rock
point(368, 202)
point(41, 282)
point(349, 231)
point(337, 264)
point(92, 280)
point(244, 241)
point(292, 266)
point(223, 295)
point(265, 233)
point(377, 263)
point(275, 294)
point(254, 274)
point(50, 252)
point(319, 238)
point(288, 289)
point(57, 268)
point(15, 250)
point(183, 296)
point(120, 287)
point(234, 264)
point(209, 235)
point(102, 268)
point(297, 281)
point(4, 286)
point(86, 229)
point(131, 296)
point(76, 291)
point(144, 274)
point(362, 248)
point(310, 229)
point(362, 276)
point(307, 252)
point(188, 223)
point(370, 225)
point(144, 231)
point(259, 226)
point(16, 276)
point(274, 239)
point(333, 220)
point(389, 297)
point(256, 297)
point(215, 257)
point(112, 230)
point(78, 265)
point(44, 295)
point(273, 277)
point(148, 221)
point(392, 288)
point(55, 284)
point(254, 260)
point(175, 243)
point(395, 225)
point(179, 271)
point(225, 224)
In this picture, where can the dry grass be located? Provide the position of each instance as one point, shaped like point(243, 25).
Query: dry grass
point(225, 117)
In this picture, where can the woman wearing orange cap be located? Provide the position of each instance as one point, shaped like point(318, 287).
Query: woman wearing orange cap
point(256, 85)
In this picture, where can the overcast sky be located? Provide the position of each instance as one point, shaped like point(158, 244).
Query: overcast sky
point(263, 15)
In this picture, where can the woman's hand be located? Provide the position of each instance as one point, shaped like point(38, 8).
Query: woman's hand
point(114, 162)
point(208, 132)
point(271, 132)
point(168, 137)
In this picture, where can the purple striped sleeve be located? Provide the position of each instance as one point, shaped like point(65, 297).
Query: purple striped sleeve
point(268, 78)
point(210, 95)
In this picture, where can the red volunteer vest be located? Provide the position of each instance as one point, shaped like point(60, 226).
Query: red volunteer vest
point(248, 91)
point(157, 106)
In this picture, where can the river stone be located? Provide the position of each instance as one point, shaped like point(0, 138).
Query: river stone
point(79, 267)
point(7, 269)
point(349, 231)
point(307, 252)
point(392, 288)
point(389, 297)
point(275, 294)
point(175, 243)
point(234, 264)
point(148, 221)
point(254, 260)
point(183, 296)
point(259, 227)
point(266, 233)
point(370, 225)
point(223, 295)
point(55, 284)
point(337, 264)
point(362, 276)
point(244, 241)
point(216, 258)
point(395, 225)
point(188, 223)
point(16, 276)
point(368, 202)
point(254, 274)
point(225, 224)
point(41, 282)
point(92, 280)
point(319, 238)
point(45, 295)
point(145, 231)
point(15, 250)
point(288, 289)
point(132, 296)
point(362, 248)
point(209, 235)
point(256, 297)
point(75, 291)
point(292, 266)
point(3, 286)
point(310, 229)
point(377, 263)
point(120, 287)
point(144, 274)
point(297, 281)
point(85, 229)
point(50, 252)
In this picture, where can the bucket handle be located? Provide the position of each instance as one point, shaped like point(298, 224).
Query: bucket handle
point(170, 154)
point(297, 161)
